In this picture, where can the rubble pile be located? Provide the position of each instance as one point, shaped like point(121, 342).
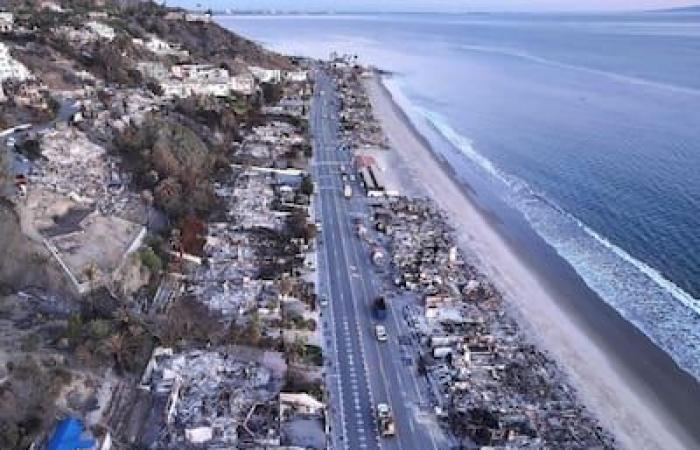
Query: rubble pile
point(249, 201)
point(494, 388)
point(211, 397)
point(81, 170)
point(422, 247)
point(271, 145)
point(359, 126)
point(244, 252)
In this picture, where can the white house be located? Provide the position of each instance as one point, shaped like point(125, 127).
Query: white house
point(202, 79)
point(199, 72)
point(176, 88)
point(160, 47)
point(153, 69)
point(10, 67)
point(220, 88)
point(182, 89)
point(243, 83)
point(98, 15)
point(266, 75)
point(7, 22)
point(175, 15)
point(51, 6)
point(203, 18)
point(102, 30)
point(296, 75)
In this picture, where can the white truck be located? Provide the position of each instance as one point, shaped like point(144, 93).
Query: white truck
point(385, 420)
point(347, 190)
point(380, 333)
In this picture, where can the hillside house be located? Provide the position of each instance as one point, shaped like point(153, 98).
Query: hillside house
point(243, 83)
point(101, 30)
point(10, 68)
point(264, 75)
point(7, 21)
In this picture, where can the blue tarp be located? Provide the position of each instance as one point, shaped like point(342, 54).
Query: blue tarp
point(69, 436)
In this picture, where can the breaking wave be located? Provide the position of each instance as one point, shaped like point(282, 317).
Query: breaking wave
point(659, 308)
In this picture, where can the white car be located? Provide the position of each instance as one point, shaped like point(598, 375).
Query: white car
point(380, 332)
point(323, 302)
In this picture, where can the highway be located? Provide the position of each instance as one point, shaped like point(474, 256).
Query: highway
point(360, 371)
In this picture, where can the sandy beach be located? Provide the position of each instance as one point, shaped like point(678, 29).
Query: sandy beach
point(636, 391)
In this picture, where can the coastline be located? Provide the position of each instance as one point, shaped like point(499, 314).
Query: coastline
point(635, 389)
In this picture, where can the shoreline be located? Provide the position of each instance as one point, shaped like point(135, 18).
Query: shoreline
point(635, 389)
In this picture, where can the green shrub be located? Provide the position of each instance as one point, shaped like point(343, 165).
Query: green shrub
point(151, 260)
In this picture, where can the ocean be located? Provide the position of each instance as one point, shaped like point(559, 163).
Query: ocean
point(588, 126)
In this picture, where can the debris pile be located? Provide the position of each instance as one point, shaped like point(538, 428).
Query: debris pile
point(210, 397)
point(494, 388)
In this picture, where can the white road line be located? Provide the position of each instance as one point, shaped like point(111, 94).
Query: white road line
point(381, 365)
point(328, 286)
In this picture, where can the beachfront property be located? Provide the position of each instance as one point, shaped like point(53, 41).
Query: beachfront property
point(469, 347)
point(486, 381)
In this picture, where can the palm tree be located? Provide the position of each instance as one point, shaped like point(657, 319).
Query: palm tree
point(115, 346)
point(91, 273)
point(147, 199)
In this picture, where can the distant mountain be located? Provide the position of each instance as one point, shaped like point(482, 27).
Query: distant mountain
point(683, 9)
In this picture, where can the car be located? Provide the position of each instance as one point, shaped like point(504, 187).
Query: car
point(380, 332)
point(323, 301)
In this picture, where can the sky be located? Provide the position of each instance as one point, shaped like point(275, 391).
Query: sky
point(436, 5)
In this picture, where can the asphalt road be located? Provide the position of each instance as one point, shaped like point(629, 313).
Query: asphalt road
point(361, 371)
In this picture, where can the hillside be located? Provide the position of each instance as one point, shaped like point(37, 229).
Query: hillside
point(211, 42)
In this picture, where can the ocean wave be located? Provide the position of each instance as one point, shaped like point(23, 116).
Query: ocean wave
point(654, 304)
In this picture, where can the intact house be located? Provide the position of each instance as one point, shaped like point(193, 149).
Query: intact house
point(102, 30)
point(264, 75)
point(296, 75)
point(199, 79)
point(158, 46)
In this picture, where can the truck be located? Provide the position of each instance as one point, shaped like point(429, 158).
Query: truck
point(380, 333)
point(385, 420)
point(347, 190)
point(379, 308)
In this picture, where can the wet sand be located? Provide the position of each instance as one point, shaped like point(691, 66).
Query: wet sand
point(635, 389)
